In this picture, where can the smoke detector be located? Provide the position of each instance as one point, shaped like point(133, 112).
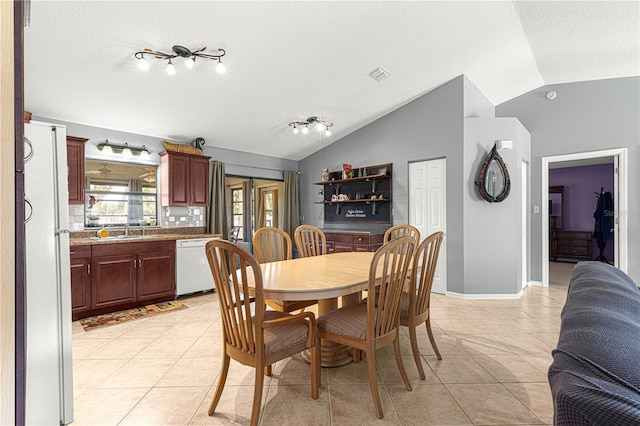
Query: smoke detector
point(551, 95)
point(379, 74)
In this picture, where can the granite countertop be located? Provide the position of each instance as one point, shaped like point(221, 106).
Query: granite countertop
point(88, 237)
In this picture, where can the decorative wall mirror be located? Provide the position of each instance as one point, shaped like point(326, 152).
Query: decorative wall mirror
point(494, 183)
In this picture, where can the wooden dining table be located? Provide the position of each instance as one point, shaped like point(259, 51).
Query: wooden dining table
point(323, 278)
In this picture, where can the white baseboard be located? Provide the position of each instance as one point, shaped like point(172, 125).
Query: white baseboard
point(535, 283)
point(485, 296)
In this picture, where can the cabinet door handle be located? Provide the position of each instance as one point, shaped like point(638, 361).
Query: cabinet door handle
point(89, 268)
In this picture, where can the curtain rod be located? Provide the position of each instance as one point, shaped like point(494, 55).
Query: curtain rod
point(256, 167)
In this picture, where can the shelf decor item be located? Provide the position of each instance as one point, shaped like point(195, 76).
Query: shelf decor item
point(325, 175)
point(347, 171)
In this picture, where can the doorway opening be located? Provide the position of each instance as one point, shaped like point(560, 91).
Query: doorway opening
point(572, 185)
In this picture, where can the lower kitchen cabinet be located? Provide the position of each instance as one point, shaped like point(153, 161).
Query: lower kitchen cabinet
point(80, 279)
point(122, 276)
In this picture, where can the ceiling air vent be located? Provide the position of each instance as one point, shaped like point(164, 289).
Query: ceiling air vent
point(379, 74)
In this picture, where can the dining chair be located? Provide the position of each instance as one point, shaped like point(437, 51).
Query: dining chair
point(259, 339)
point(310, 241)
point(401, 231)
point(375, 324)
point(414, 308)
point(271, 245)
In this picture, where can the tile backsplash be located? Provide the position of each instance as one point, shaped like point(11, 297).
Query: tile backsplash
point(192, 216)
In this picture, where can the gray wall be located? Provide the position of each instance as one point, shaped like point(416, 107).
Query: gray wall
point(426, 128)
point(492, 243)
point(236, 162)
point(585, 116)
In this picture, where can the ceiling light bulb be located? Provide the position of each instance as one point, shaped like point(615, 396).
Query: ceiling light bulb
point(143, 64)
point(144, 154)
point(220, 68)
point(327, 132)
point(295, 130)
point(171, 70)
point(305, 130)
point(190, 62)
point(126, 151)
point(320, 127)
point(106, 149)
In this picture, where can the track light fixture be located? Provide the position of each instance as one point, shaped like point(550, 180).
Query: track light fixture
point(320, 126)
point(182, 52)
point(124, 150)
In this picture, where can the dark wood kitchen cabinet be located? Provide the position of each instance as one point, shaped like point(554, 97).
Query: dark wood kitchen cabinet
point(122, 276)
point(185, 179)
point(75, 169)
point(80, 279)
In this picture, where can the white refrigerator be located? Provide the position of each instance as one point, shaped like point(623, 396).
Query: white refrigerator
point(49, 379)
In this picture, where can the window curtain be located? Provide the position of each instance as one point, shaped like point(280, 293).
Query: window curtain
point(274, 208)
point(134, 206)
point(291, 202)
point(216, 212)
point(246, 210)
point(258, 196)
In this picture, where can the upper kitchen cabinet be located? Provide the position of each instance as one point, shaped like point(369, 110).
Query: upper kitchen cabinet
point(185, 179)
point(75, 169)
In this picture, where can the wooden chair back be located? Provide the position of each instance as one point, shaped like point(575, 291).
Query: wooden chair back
point(383, 311)
point(271, 245)
point(402, 231)
point(310, 241)
point(230, 265)
point(422, 273)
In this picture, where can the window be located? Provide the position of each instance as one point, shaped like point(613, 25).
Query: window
point(238, 210)
point(268, 208)
point(119, 194)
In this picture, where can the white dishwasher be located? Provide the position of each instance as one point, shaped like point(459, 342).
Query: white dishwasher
point(192, 268)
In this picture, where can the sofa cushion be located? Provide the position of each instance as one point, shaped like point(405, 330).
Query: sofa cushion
point(595, 374)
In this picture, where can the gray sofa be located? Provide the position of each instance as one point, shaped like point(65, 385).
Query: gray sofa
point(595, 374)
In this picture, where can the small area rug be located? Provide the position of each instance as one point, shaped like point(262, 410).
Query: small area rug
point(130, 314)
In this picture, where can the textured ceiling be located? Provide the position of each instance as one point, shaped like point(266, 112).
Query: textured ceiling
point(288, 61)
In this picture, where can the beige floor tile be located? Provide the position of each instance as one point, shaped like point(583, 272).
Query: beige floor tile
point(184, 330)
point(459, 369)
point(510, 368)
point(105, 406)
point(294, 371)
point(491, 404)
point(166, 406)
point(479, 344)
point(173, 348)
point(458, 326)
point(429, 404)
point(541, 362)
point(88, 373)
point(138, 373)
point(388, 370)
point(242, 375)
point(405, 347)
point(82, 348)
point(121, 349)
point(522, 344)
point(205, 347)
point(192, 372)
point(549, 339)
point(234, 407)
point(147, 330)
point(536, 396)
point(107, 332)
point(293, 405)
point(352, 373)
point(447, 345)
point(353, 405)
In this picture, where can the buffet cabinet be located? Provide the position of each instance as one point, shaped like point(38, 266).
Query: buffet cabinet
point(111, 277)
point(574, 245)
point(185, 179)
point(338, 242)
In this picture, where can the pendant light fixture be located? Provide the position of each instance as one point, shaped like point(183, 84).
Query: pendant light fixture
point(320, 126)
point(182, 52)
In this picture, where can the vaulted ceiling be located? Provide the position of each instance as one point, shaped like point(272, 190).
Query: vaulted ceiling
point(288, 61)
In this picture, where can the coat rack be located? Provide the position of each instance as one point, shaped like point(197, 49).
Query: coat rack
point(603, 222)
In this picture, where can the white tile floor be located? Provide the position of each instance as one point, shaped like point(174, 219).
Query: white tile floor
point(163, 370)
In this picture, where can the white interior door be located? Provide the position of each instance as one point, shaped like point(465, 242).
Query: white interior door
point(427, 209)
point(524, 224)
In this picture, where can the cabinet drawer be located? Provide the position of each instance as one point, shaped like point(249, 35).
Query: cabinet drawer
point(572, 251)
point(575, 243)
point(79, 252)
point(361, 240)
point(339, 238)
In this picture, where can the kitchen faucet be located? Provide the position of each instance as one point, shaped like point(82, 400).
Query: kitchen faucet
point(126, 229)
